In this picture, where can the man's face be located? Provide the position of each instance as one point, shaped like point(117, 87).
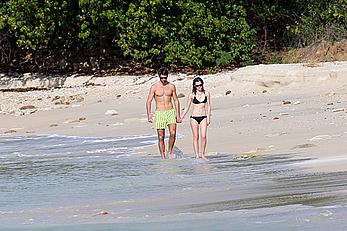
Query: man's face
point(163, 79)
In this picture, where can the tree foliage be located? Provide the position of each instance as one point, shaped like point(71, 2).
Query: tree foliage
point(320, 20)
point(186, 33)
point(67, 34)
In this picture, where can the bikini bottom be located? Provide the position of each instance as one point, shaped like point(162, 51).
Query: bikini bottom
point(198, 118)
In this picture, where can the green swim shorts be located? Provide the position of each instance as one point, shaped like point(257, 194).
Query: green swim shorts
point(164, 118)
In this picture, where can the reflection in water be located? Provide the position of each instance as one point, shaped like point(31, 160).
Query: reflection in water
point(59, 180)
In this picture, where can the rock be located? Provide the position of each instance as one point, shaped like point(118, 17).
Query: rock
point(228, 92)
point(71, 121)
point(331, 93)
point(30, 132)
point(102, 213)
point(32, 111)
point(338, 109)
point(118, 96)
point(275, 118)
point(285, 102)
point(304, 146)
point(54, 98)
point(245, 157)
point(111, 112)
point(67, 100)
point(27, 107)
point(81, 119)
point(181, 95)
point(90, 84)
point(264, 91)
point(283, 113)
point(297, 102)
point(10, 131)
point(53, 125)
point(330, 104)
point(17, 113)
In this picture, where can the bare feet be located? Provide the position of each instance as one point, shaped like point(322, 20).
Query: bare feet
point(163, 156)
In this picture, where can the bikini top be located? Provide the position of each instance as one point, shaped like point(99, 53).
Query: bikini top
point(196, 101)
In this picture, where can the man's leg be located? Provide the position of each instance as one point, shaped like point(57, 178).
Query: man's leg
point(172, 139)
point(161, 144)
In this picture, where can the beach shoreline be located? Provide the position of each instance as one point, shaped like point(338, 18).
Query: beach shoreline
point(297, 109)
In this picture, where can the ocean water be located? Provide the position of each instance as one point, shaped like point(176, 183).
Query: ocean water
point(51, 182)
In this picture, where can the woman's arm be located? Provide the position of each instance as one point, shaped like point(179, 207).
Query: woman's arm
point(208, 108)
point(186, 108)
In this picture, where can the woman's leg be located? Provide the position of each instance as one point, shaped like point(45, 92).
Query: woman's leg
point(203, 133)
point(195, 130)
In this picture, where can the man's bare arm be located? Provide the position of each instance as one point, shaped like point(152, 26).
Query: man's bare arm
point(177, 105)
point(149, 104)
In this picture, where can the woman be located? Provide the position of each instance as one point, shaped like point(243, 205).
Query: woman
point(200, 118)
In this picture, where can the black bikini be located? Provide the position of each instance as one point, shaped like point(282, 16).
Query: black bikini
point(196, 101)
point(199, 118)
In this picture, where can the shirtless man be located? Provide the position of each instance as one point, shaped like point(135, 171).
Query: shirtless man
point(163, 93)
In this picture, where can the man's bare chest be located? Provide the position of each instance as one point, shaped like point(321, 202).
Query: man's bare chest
point(163, 91)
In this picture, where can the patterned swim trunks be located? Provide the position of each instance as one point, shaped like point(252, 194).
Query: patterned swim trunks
point(164, 118)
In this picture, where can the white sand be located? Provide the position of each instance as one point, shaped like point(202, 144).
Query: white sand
point(272, 109)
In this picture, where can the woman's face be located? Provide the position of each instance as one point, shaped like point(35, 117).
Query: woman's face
point(198, 86)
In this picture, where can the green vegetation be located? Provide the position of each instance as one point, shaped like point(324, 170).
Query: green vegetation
point(91, 35)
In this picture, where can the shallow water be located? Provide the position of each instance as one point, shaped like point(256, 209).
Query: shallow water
point(103, 183)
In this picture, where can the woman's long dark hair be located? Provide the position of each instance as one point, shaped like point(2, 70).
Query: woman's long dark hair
point(198, 79)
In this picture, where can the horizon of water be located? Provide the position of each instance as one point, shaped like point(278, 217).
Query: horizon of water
point(52, 182)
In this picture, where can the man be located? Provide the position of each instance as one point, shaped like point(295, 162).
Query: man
point(164, 93)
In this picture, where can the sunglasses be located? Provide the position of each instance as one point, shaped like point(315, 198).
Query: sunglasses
point(164, 77)
point(198, 85)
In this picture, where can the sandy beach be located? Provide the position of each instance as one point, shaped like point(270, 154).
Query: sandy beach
point(256, 110)
point(79, 150)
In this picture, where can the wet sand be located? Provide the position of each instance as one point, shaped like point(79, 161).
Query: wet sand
point(55, 180)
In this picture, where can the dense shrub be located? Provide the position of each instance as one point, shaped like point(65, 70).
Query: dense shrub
point(68, 34)
point(320, 20)
point(186, 33)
